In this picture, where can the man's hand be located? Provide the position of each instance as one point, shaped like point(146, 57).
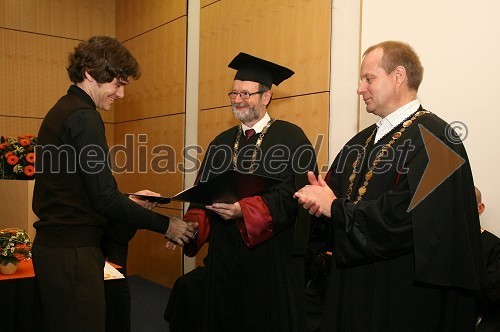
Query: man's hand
point(316, 197)
point(144, 202)
point(170, 245)
point(226, 211)
point(180, 232)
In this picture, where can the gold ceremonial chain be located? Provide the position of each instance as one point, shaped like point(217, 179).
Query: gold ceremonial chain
point(257, 145)
point(382, 152)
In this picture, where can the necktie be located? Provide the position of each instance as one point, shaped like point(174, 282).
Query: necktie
point(249, 133)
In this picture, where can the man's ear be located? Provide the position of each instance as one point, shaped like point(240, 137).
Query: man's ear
point(266, 97)
point(400, 74)
point(88, 76)
point(480, 208)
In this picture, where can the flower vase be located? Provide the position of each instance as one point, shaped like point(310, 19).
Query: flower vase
point(9, 268)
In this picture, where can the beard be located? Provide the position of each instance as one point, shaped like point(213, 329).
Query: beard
point(252, 113)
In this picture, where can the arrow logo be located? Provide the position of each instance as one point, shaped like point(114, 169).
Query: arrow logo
point(443, 162)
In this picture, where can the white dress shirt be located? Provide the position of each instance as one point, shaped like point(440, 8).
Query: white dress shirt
point(385, 125)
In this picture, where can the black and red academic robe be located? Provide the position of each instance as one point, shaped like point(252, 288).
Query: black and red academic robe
point(395, 270)
point(255, 267)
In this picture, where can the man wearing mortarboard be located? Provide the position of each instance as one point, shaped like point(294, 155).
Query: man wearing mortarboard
point(254, 270)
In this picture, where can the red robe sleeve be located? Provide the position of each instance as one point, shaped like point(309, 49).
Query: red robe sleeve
point(199, 216)
point(256, 225)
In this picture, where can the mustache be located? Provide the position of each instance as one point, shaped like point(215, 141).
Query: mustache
point(240, 105)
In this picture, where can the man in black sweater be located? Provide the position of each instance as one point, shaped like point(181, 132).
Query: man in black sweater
point(76, 194)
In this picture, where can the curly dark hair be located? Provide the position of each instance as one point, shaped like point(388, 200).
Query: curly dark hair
point(105, 58)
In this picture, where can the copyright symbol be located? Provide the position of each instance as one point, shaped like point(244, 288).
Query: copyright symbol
point(456, 132)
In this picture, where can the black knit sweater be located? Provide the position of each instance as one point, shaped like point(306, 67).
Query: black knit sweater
point(75, 192)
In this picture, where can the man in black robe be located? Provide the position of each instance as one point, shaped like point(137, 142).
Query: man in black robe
point(489, 312)
point(396, 267)
point(254, 275)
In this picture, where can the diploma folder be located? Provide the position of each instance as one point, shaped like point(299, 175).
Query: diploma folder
point(157, 199)
point(228, 187)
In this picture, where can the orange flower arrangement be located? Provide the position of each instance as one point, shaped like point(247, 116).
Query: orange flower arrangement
point(15, 246)
point(17, 157)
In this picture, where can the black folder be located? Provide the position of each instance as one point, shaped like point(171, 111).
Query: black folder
point(157, 199)
point(228, 187)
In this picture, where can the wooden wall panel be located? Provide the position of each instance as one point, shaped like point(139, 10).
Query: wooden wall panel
point(212, 122)
point(161, 89)
point(295, 34)
point(36, 38)
point(166, 134)
point(308, 112)
point(16, 205)
point(204, 3)
point(155, 32)
point(149, 258)
point(64, 18)
point(162, 266)
point(137, 17)
point(16, 126)
point(27, 58)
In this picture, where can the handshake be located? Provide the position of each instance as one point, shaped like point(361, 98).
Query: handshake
point(179, 232)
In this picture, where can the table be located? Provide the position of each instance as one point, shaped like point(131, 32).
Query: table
point(19, 301)
point(20, 305)
point(24, 270)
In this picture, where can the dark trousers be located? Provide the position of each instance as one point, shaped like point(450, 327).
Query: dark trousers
point(118, 302)
point(20, 308)
point(117, 305)
point(71, 286)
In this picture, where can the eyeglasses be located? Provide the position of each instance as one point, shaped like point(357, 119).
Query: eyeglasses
point(243, 94)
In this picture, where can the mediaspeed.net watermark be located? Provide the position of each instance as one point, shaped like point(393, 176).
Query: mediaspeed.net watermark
point(136, 155)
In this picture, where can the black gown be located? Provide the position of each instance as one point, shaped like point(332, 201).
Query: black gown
point(255, 282)
point(395, 270)
point(490, 299)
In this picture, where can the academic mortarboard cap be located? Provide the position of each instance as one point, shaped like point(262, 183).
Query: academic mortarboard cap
point(250, 68)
